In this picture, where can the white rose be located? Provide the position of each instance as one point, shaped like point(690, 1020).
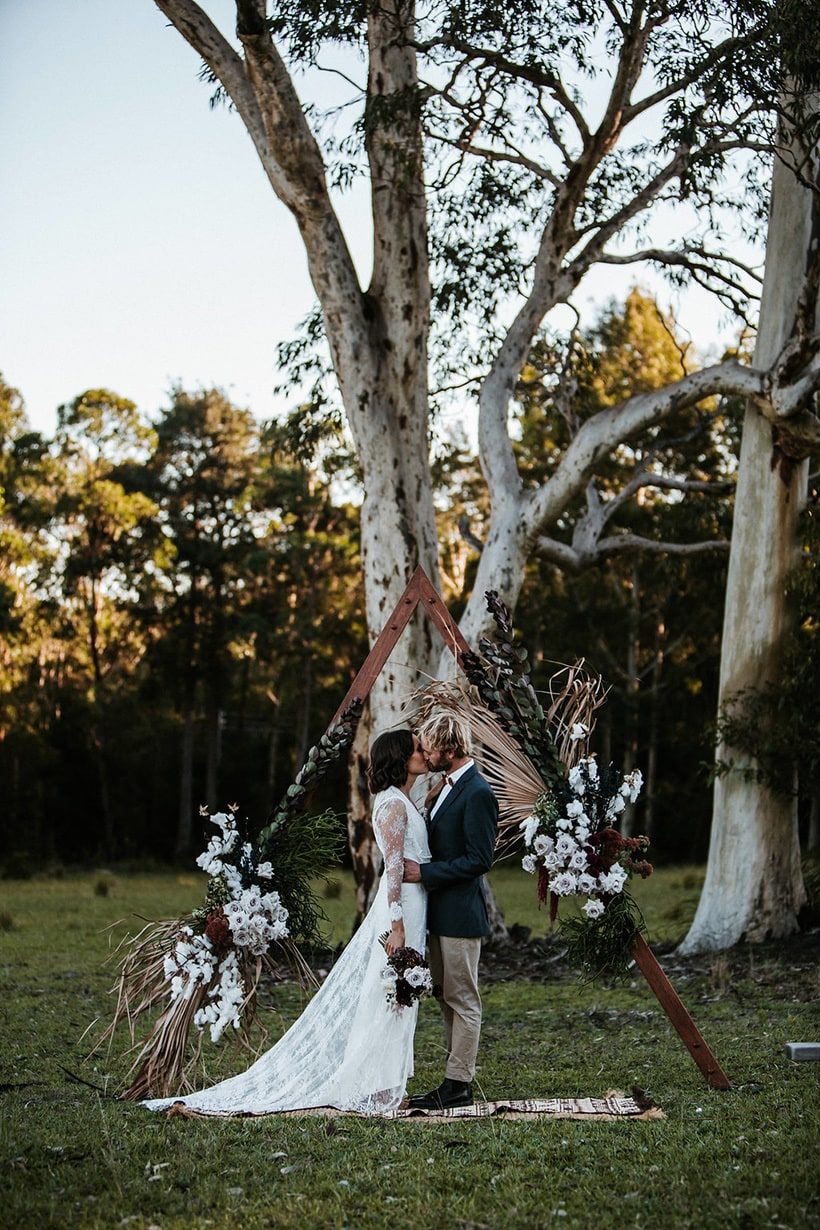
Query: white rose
point(578, 861)
point(613, 881)
point(564, 884)
point(543, 844)
point(587, 883)
point(529, 864)
point(565, 845)
point(593, 908)
point(553, 862)
point(418, 977)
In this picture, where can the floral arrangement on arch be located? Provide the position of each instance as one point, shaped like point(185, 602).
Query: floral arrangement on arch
point(533, 748)
point(574, 846)
point(204, 970)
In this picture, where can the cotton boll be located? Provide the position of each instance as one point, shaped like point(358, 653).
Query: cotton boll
point(529, 827)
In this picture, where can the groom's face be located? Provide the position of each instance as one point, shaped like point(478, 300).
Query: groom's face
point(439, 759)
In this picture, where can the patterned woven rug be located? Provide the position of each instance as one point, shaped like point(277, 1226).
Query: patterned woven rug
point(614, 1105)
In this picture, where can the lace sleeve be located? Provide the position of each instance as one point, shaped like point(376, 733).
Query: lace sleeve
point(390, 825)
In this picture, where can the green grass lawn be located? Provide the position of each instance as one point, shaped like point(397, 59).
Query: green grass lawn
point(73, 1156)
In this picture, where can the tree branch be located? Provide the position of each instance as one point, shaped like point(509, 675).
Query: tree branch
point(635, 542)
point(599, 434)
point(573, 560)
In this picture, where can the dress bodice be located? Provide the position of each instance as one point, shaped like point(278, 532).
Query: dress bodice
point(393, 810)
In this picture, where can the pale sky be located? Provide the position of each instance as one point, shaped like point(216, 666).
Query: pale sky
point(141, 242)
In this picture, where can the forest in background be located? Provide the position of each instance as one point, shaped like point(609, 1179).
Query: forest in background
point(181, 604)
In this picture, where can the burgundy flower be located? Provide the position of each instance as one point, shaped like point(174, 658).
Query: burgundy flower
point(218, 931)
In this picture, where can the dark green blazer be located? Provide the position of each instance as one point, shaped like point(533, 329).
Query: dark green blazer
point(462, 841)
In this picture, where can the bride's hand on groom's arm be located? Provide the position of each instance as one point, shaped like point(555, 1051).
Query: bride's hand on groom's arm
point(412, 872)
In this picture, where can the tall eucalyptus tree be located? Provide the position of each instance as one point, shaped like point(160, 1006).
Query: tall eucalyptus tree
point(509, 150)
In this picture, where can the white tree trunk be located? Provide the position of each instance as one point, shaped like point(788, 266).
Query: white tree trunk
point(754, 886)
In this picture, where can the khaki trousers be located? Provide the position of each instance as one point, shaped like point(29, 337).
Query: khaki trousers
point(454, 966)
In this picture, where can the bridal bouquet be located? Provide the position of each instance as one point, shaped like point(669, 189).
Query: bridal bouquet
point(406, 978)
point(204, 970)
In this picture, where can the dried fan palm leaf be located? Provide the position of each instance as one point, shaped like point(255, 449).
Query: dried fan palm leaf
point(515, 781)
point(575, 695)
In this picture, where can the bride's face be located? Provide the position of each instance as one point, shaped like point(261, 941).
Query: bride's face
point(417, 763)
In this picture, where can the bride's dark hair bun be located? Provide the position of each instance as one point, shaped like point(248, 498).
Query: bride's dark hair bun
point(389, 757)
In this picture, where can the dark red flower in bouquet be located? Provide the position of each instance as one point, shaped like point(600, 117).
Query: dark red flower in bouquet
point(401, 961)
point(218, 930)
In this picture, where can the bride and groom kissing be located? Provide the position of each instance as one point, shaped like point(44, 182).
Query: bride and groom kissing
point(351, 1049)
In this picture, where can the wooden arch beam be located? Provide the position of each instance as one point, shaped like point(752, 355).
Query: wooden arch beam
point(421, 592)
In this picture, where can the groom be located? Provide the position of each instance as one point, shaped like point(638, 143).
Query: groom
point(462, 824)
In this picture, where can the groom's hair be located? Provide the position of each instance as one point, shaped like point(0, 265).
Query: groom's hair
point(444, 729)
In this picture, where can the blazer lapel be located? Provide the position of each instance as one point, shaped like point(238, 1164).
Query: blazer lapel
point(453, 795)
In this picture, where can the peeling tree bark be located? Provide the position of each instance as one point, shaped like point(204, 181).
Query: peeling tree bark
point(754, 886)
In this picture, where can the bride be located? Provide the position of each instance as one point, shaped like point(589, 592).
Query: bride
point(349, 1049)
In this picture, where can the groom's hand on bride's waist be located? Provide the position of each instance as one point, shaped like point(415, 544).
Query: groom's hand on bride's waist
point(412, 872)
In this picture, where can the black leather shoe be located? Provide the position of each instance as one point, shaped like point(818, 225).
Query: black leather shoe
point(449, 1094)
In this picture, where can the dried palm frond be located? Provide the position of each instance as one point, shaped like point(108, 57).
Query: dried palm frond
point(515, 781)
point(165, 1063)
point(574, 697)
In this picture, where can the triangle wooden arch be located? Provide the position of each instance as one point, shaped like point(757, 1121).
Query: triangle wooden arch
point(421, 592)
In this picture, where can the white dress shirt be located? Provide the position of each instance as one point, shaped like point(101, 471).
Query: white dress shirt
point(448, 787)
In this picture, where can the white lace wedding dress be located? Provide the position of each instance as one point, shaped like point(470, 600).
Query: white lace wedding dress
point(349, 1049)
